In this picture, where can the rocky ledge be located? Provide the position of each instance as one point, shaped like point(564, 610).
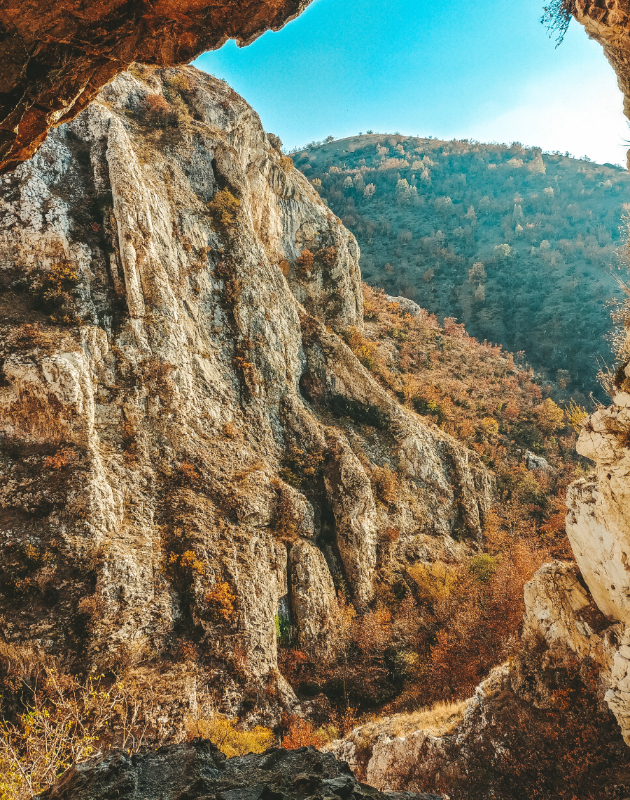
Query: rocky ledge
point(198, 770)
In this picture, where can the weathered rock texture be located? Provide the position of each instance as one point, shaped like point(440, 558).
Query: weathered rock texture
point(537, 727)
point(187, 428)
point(598, 523)
point(56, 57)
point(198, 770)
point(598, 526)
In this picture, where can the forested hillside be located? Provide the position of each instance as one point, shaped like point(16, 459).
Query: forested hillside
point(519, 245)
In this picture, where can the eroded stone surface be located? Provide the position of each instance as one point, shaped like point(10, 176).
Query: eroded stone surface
point(313, 597)
point(191, 418)
point(198, 770)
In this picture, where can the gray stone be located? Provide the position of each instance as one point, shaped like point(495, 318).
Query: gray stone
point(198, 771)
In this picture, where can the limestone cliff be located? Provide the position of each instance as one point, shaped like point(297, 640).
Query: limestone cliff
point(56, 57)
point(186, 445)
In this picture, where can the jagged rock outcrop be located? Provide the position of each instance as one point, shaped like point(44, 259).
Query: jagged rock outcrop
point(536, 727)
point(198, 770)
point(314, 602)
point(55, 58)
point(186, 445)
point(598, 526)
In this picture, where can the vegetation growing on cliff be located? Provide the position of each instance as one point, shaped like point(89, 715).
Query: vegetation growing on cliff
point(267, 486)
point(515, 243)
point(557, 17)
point(435, 630)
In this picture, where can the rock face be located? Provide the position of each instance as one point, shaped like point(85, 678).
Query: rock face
point(186, 444)
point(598, 527)
point(55, 58)
point(198, 770)
point(313, 597)
point(537, 727)
point(598, 523)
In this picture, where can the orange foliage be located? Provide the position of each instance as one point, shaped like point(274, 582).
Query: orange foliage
point(159, 111)
point(470, 389)
point(189, 472)
point(305, 262)
point(436, 635)
point(61, 458)
point(221, 602)
point(328, 256)
point(301, 733)
point(485, 618)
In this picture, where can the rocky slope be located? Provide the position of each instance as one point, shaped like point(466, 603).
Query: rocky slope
point(198, 770)
point(55, 58)
point(537, 727)
point(186, 446)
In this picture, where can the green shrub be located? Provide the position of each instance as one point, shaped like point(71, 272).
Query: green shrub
point(482, 567)
point(557, 16)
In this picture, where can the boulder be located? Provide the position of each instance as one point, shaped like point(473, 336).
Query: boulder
point(198, 770)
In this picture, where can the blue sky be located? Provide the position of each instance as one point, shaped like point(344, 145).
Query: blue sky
point(485, 70)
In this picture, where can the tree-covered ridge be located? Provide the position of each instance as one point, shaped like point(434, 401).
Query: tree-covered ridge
point(518, 244)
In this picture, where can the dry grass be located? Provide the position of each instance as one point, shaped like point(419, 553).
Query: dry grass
point(231, 741)
point(440, 719)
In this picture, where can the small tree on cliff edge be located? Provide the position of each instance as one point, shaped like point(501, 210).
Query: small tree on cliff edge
point(557, 16)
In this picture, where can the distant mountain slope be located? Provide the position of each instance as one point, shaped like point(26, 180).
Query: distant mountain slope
point(542, 229)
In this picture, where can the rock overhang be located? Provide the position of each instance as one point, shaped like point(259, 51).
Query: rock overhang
point(55, 58)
